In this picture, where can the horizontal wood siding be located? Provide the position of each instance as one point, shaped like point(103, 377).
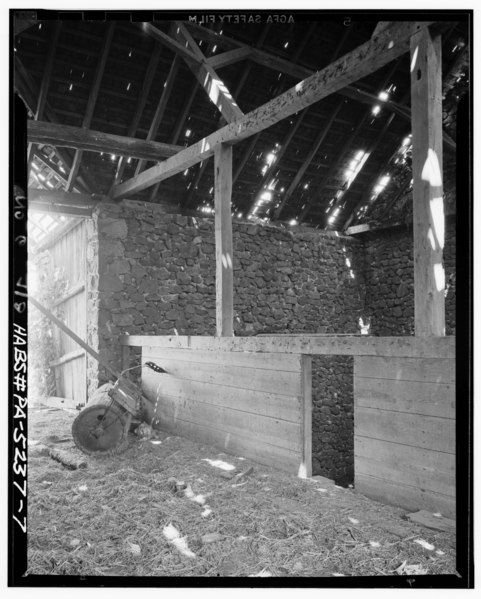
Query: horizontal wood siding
point(246, 403)
point(404, 425)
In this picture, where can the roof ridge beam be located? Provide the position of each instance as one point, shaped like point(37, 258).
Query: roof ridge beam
point(362, 61)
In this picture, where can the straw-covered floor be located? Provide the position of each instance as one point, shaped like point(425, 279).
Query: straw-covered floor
point(171, 507)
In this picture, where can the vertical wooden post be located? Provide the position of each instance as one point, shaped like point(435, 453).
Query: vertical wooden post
point(428, 209)
point(223, 241)
point(306, 398)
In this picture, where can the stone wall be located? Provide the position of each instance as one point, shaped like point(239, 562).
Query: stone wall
point(389, 277)
point(157, 277)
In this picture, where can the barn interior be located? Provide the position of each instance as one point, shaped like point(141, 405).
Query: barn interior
point(267, 210)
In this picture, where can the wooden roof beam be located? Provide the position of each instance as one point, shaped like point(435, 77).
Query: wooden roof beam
point(230, 57)
point(63, 198)
point(96, 141)
point(209, 79)
point(27, 90)
point(240, 85)
point(141, 102)
point(94, 92)
point(170, 42)
point(47, 75)
point(161, 106)
point(342, 154)
point(364, 60)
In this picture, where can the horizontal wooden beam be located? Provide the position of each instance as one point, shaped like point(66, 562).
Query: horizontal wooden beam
point(63, 198)
point(342, 345)
point(97, 141)
point(73, 211)
point(364, 60)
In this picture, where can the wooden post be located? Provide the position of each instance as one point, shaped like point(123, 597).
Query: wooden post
point(428, 209)
point(223, 241)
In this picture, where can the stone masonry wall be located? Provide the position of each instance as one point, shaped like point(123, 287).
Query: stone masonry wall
point(157, 277)
point(389, 277)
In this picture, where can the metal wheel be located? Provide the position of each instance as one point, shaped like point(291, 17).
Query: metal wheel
point(101, 430)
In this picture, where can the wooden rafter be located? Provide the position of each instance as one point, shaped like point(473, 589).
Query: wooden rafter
point(170, 42)
point(317, 143)
point(141, 102)
point(161, 106)
point(179, 127)
point(239, 87)
point(63, 198)
point(347, 147)
point(94, 92)
point(97, 141)
point(230, 57)
point(275, 164)
point(362, 61)
point(307, 160)
point(27, 90)
point(47, 75)
point(209, 79)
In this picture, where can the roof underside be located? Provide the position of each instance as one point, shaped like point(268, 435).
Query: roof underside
point(343, 160)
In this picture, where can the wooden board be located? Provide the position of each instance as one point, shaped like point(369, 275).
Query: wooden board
point(346, 345)
point(405, 431)
point(426, 432)
point(255, 402)
point(263, 361)
point(406, 496)
point(252, 404)
point(433, 370)
point(256, 379)
point(429, 399)
point(431, 470)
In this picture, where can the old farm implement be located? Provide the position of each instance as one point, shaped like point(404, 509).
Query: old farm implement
point(102, 428)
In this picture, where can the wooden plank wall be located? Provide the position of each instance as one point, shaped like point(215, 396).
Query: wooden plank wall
point(248, 404)
point(404, 427)
point(69, 254)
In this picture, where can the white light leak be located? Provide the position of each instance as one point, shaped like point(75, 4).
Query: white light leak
point(129, 160)
point(383, 96)
point(113, 157)
point(211, 190)
point(380, 187)
point(49, 183)
point(407, 140)
point(41, 177)
point(40, 26)
point(35, 166)
point(293, 222)
point(70, 87)
point(286, 44)
point(207, 210)
point(214, 49)
point(130, 54)
point(239, 215)
point(128, 86)
point(376, 109)
point(186, 172)
point(306, 185)
point(266, 196)
point(188, 133)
